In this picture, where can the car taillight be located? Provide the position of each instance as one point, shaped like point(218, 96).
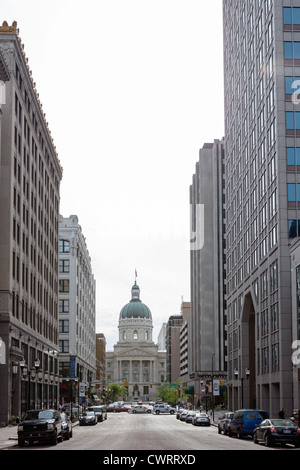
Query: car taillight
point(298, 432)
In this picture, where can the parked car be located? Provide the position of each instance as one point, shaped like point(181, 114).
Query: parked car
point(179, 411)
point(39, 426)
point(244, 422)
point(66, 426)
point(117, 408)
point(224, 423)
point(201, 419)
point(191, 414)
point(100, 411)
point(139, 409)
point(277, 431)
point(161, 408)
point(88, 418)
point(183, 415)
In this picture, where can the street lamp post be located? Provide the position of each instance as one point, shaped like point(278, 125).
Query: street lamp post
point(27, 372)
point(236, 374)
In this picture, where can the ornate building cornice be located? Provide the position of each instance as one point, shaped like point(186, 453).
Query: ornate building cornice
point(5, 28)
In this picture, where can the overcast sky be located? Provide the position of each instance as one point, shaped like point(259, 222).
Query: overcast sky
point(132, 89)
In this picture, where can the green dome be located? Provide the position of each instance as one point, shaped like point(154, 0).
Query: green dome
point(135, 308)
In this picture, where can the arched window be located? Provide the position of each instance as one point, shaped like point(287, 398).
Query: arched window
point(135, 335)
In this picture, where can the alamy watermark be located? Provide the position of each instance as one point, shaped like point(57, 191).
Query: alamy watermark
point(295, 95)
point(197, 235)
point(296, 353)
point(2, 93)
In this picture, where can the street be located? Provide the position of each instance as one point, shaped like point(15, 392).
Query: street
point(148, 432)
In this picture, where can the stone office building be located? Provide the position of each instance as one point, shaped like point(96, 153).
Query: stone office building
point(77, 309)
point(30, 175)
point(207, 321)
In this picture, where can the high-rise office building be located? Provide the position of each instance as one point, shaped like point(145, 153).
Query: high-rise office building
point(30, 175)
point(77, 309)
point(173, 329)
point(208, 314)
point(262, 132)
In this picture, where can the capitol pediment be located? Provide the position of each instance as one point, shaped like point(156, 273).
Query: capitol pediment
point(136, 352)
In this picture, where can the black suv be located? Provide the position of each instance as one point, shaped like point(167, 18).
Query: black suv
point(40, 426)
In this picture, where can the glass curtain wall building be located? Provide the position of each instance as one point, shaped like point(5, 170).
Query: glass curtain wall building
point(262, 145)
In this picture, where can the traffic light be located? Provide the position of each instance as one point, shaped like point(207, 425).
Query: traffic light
point(151, 385)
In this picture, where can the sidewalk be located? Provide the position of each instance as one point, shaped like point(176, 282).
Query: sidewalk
point(9, 436)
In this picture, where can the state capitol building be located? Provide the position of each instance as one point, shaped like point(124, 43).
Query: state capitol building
point(136, 360)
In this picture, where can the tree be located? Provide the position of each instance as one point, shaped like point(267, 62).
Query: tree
point(115, 391)
point(169, 393)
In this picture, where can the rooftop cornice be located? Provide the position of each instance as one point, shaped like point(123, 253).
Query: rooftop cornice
point(5, 28)
point(13, 30)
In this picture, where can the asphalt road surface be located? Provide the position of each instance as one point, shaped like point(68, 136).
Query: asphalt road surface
point(148, 432)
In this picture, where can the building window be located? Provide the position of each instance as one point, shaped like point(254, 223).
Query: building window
point(64, 246)
point(274, 276)
point(293, 192)
point(292, 120)
point(64, 306)
point(64, 326)
point(264, 323)
point(274, 318)
point(64, 266)
point(294, 228)
point(275, 357)
point(265, 360)
point(63, 346)
point(64, 286)
point(291, 85)
point(293, 156)
point(292, 50)
point(291, 16)
point(64, 369)
point(135, 335)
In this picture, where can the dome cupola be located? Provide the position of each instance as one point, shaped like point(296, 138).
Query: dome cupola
point(135, 308)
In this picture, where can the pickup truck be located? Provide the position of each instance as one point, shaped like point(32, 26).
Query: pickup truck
point(40, 426)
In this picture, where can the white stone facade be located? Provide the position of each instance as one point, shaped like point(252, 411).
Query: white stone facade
point(136, 359)
point(77, 309)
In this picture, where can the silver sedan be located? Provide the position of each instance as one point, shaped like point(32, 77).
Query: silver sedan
point(139, 409)
point(201, 419)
